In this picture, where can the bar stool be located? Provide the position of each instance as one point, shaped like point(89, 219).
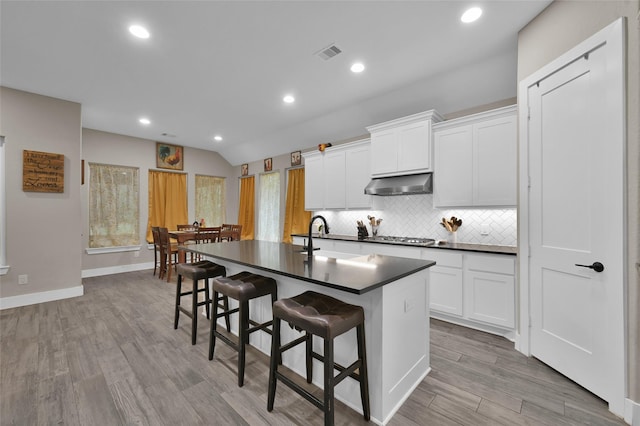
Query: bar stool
point(197, 271)
point(241, 287)
point(326, 317)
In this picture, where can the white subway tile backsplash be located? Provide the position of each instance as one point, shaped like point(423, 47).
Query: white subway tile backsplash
point(414, 216)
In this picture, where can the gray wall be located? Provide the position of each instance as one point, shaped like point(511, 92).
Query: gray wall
point(557, 29)
point(109, 148)
point(43, 230)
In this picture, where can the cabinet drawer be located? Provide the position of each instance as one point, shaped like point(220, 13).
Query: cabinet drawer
point(497, 264)
point(443, 258)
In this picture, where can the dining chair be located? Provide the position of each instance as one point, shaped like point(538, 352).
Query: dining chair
point(155, 231)
point(230, 232)
point(206, 235)
point(189, 227)
point(168, 253)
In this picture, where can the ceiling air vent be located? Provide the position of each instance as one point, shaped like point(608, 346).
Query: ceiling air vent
point(328, 52)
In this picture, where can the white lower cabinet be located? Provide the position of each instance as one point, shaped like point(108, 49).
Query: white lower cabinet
point(446, 290)
point(473, 289)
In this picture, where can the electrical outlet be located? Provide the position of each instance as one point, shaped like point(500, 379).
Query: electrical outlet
point(136, 253)
point(484, 229)
point(23, 279)
point(408, 305)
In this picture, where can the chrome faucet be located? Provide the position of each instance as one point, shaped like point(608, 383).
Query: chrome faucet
point(326, 229)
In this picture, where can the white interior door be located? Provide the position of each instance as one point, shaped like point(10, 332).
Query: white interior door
point(576, 217)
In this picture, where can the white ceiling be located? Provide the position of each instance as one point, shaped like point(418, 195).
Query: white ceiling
point(222, 67)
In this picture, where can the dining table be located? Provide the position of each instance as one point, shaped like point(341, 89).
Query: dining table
point(191, 235)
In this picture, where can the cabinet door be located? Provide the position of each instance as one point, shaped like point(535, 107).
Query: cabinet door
point(445, 290)
point(384, 154)
point(453, 174)
point(313, 183)
point(495, 162)
point(334, 180)
point(414, 148)
point(357, 176)
point(489, 298)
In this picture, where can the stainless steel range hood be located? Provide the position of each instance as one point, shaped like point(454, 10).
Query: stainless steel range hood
point(401, 185)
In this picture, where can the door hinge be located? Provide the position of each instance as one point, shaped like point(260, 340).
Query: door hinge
point(528, 113)
point(528, 181)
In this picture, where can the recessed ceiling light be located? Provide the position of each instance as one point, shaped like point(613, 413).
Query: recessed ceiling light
point(357, 67)
point(217, 138)
point(139, 31)
point(145, 121)
point(289, 99)
point(471, 15)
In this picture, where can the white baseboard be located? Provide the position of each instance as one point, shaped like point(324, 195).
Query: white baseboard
point(87, 273)
point(632, 412)
point(40, 297)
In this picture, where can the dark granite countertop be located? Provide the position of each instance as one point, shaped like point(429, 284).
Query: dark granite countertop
point(357, 274)
point(479, 248)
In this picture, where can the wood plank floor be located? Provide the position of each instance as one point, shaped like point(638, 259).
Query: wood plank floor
point(112, 357)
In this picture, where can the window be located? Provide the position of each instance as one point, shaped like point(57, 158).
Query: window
point(210, 200)
point(269, 216)
point(246, 210)
point(296, 218)
point(167, 200)
point(113, 206)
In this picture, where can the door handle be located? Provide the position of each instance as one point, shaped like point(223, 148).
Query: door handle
point(596, 266)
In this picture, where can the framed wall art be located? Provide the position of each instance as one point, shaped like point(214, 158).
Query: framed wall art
point(268, 165)
point(244, 169)
point(169, 156)
point(42, 171)
point(296, 158)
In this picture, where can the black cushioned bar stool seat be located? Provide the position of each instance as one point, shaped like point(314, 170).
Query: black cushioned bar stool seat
point(202, 270)
point(241, 287)
point(326, 317)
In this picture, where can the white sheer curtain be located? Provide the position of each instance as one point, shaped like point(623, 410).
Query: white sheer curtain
point(269, 211)
point(210, 200)
point(114, 206)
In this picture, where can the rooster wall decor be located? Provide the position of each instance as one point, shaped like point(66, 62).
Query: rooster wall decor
point(169, 156)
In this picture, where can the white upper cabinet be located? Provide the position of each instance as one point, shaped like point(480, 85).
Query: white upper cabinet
point(403, 146)
point(358, 175)
point(336, 178)
point(313, 182)
point(476, 160)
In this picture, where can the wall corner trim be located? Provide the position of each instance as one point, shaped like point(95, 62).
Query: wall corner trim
point(40, 297)
point(632, 412)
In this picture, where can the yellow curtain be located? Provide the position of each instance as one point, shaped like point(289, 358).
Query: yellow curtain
point(246, 211)
point(296, 218)
point(167, 200)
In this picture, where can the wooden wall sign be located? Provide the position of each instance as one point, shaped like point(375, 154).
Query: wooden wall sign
point(42, 172)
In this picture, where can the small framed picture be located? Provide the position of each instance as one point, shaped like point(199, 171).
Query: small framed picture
point(267, 164)
point(296, 158)
point(244, 170)
point(169, 156)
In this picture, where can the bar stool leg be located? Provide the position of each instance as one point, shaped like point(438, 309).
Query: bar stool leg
point(214, 322)
point(207, 306)
point(178, 291)
point(276, 358)
point(243, 339)
point(309, 358)
point(227, 320)
point(363, 373)
point(194, 312)
point(328, 382)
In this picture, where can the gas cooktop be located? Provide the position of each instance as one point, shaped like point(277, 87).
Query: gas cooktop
point(404, 240)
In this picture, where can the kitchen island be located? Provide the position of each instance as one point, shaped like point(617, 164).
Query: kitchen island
point(392, 290)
